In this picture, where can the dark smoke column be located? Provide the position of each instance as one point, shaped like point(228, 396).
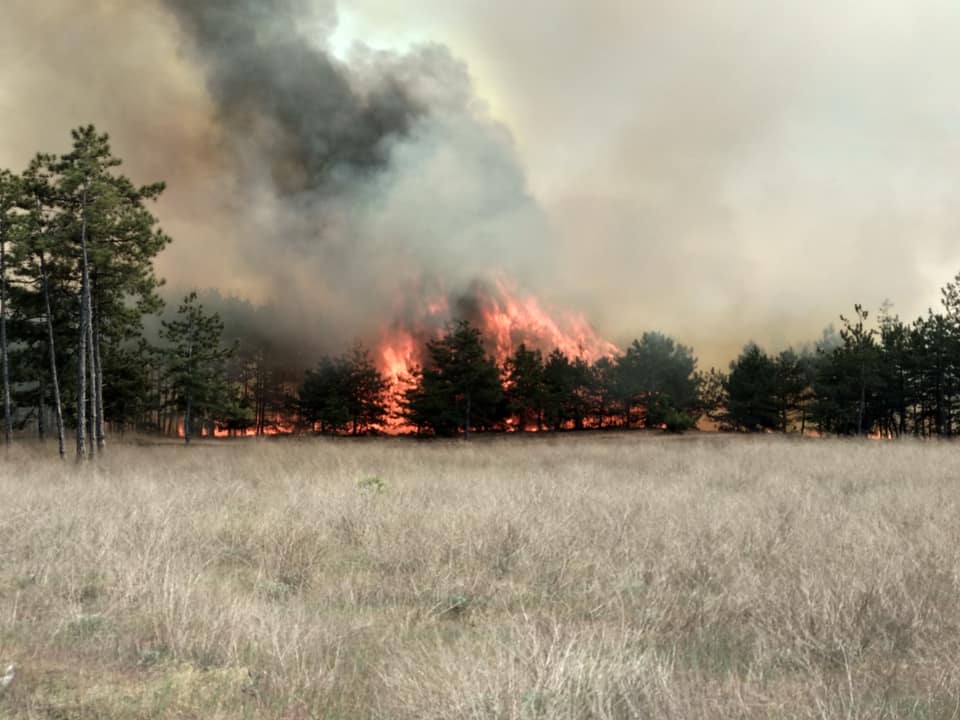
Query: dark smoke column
point(284, 102)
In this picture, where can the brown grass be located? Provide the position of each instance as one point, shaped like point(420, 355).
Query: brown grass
point(625, 576)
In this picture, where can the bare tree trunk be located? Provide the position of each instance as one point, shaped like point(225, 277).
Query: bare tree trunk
point(41, 410)
point(186, 418)
point(7, 413)
point(82, 381)
point(161, 401)
point(91, 370)
point(54, 379)
point(466, 427)
point(98, 381)
point(161, 409)
point(91, 349)
point(261, 400)
point(863, 400)
point(82, 350)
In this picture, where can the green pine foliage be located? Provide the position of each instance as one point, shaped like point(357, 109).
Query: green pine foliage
point(195, 363)
point(751, 390)
point(459, 389)
point(344, 394)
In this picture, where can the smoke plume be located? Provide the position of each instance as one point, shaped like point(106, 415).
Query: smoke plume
point(286, 102)
point(718, 171)
point(365, 182)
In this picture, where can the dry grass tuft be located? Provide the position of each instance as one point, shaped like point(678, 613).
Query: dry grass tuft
point(607, 577)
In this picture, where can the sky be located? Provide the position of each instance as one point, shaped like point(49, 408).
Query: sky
point(721, 171)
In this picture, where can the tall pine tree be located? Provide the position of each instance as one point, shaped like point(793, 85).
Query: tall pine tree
point(196, 362)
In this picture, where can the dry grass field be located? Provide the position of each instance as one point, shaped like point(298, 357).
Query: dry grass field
point(626, 576)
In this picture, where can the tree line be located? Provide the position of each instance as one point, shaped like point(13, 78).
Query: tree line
point(77, 246)
point(460, 389)
point(890, 378)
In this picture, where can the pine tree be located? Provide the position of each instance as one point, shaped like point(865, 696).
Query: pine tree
point(525, 390)
point(789, 386)
point(714, 399)
point(323, 396)
point(569, 391)
point(860, 345)
point(38, 244)
point(347, 393)
point(895, 395)
point(196, 362)
point(658, 375)
point(366, 392)
point(459, 388)
point(603, 390)
point(116, 240)
point(751, 391)
point(559, 384)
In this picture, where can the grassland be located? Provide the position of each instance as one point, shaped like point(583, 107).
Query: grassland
point(625, 576)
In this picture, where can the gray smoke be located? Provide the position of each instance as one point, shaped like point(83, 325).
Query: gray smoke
point(719, 171)
point(280, 94)
point(335, 193)
point(355, 185)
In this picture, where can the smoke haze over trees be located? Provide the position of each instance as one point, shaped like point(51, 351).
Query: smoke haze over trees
point(77, 245)
point(331, 190)
point(326, 193)
point(746, 165)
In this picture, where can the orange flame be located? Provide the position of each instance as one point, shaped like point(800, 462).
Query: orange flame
point(396, 359)
point(509, 320)
point(505, 319)
point(279, 425)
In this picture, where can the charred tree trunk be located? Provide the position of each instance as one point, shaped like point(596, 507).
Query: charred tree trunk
point(54, 379)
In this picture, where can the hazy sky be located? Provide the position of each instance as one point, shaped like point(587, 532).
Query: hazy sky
point(719, 170)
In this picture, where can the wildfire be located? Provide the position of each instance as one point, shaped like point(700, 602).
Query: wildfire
point(397, 356)
point(509, 320)
point(279, 425)
point(505, 318)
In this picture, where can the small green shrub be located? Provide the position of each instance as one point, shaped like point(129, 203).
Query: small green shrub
point(373, 485)
point(274, 589)
point(85, 626)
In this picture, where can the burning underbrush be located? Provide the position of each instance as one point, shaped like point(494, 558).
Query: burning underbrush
point(491, 358)
point(506, 318)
